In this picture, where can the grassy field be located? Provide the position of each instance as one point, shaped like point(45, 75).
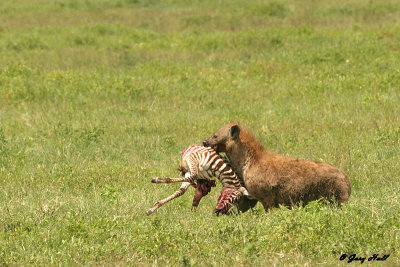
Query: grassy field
point(98, 97)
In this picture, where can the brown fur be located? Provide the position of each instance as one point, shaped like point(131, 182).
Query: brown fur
point(274, 179)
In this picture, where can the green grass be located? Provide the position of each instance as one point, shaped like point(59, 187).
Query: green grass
point(98, 97)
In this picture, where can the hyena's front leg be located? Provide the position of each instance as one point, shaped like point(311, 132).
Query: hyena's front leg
point(178, 193)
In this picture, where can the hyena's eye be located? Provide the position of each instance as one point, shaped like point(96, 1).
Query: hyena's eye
point(214, 136)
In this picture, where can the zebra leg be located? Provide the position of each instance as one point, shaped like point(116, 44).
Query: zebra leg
point(244, 191)
point(168, 180)
point(229, 197)
point(188, 178)
point(178, 193)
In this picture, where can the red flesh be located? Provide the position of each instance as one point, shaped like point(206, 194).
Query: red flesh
point(203, 187)
point(224, 201)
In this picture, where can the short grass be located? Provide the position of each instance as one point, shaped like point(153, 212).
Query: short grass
point(98, 97)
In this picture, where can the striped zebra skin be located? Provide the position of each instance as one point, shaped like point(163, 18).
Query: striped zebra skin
point(198, 165)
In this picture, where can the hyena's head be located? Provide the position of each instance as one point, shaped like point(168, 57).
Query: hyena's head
point(223, 139)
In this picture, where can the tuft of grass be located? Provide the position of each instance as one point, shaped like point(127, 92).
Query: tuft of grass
point(267, 9)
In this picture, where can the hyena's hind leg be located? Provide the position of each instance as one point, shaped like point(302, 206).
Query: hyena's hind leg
point(178, 193)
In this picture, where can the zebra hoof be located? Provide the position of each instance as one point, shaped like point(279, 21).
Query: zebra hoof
point(149, 211)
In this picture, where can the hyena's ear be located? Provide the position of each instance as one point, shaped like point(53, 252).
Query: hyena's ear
point(234, 132)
